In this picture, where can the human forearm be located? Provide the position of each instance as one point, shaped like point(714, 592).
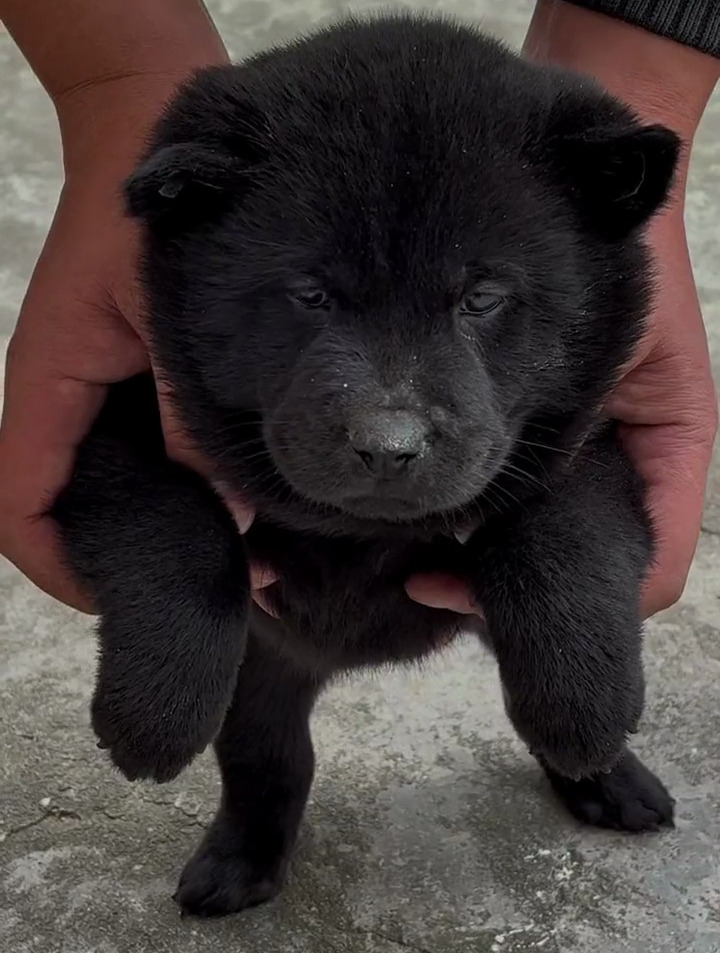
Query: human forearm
point(77, 43)
point(109, 66)
point(666, 401)
point(694, 23)
point(663, 80)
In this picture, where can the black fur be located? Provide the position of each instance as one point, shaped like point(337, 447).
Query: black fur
point(392, 272)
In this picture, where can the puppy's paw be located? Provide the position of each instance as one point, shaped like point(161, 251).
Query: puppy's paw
point(151, 733)
point(579, 756)
point(577, 735)
point(138, 754)
point(629, 798)
point(217, 882)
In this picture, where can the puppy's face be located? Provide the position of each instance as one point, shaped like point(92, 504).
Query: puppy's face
point(394, 345)
point(395, 279)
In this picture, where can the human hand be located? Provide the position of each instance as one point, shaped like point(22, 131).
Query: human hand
point(666, 399)
point(80, 329)
point(667, 405)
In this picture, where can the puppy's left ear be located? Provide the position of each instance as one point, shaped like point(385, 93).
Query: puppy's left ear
point(182, 184)
point(618, 175)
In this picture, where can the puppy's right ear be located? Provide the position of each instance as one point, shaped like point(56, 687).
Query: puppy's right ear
point(183, 184)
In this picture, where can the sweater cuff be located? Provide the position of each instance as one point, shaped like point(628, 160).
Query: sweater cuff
point(694, 23)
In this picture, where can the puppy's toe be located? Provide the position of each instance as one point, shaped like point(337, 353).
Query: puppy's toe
point(214, 884)
point(628, 798)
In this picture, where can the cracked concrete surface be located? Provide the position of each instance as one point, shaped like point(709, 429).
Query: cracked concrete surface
point(429, 830)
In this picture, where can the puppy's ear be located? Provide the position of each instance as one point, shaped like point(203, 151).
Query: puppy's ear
point(183, 183)
point(618, 175)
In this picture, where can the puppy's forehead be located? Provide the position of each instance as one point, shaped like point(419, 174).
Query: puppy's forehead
point(403, 154)
point(412, 184)
point(413, 136)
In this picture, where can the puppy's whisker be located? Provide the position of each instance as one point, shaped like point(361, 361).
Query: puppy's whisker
point(544, 446)
point(523, 475)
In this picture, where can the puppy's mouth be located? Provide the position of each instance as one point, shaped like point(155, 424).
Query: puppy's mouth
point(388, 487)
point(390, 502)
point(388, 508)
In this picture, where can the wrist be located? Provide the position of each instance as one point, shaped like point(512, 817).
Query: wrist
point(79, 44)
point(110, 67)
point(661, 80)
point(104, 125)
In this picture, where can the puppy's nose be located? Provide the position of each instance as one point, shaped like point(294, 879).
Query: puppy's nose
point(388, 443)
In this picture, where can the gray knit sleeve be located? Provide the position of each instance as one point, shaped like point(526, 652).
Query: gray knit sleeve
point(695, 23)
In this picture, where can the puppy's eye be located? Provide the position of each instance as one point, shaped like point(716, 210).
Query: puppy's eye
point(481, 303)
point(312, 298)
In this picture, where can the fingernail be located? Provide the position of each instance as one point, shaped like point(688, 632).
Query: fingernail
point(261, 577)
point(243, 515)
point(243, 518)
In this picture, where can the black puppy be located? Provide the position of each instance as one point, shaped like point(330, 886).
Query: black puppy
point(392, 272)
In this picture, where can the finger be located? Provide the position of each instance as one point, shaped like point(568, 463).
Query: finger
point(261, 576)
point(673, 462)
point(178, 444)
point(676, 541)
point(35, 549)
point(260, 599)
point(180, 448)
point(44, 418)
point(239, 510)
point(442, 592)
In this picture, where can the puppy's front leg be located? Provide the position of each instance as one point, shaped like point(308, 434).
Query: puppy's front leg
point(560, 588)
point(169, 575)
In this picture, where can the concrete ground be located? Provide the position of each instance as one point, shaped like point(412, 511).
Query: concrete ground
point(430, 830)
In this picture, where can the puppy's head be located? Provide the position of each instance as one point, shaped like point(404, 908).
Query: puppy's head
point(378, 258)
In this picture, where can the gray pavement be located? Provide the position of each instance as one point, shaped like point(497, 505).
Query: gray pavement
point(430, 830)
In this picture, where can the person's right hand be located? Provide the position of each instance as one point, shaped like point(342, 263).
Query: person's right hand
point(79, 330)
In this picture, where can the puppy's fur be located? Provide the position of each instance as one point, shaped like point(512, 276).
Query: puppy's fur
point(392, 272)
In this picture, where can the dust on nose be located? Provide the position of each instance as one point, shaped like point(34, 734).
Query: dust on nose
point(389, 442)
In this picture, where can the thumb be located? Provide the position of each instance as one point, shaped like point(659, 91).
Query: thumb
point(442, 592)
point(180, 448)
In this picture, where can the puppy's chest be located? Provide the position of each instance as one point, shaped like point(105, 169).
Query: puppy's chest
point(342, 603)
